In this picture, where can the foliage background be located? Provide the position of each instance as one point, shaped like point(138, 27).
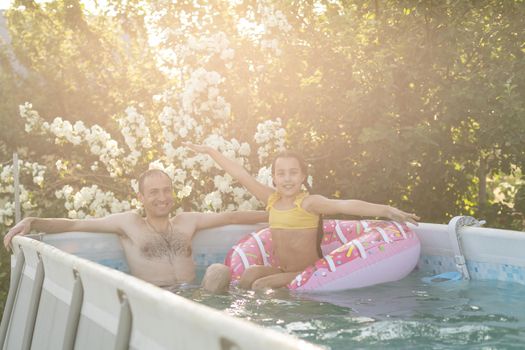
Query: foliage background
point(419, 104)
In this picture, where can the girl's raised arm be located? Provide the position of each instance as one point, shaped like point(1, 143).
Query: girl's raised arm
point(260, 191)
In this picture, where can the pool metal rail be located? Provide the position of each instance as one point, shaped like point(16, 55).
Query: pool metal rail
point(61, 301)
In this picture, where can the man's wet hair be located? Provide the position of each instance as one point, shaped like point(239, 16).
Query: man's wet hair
point(148, 173)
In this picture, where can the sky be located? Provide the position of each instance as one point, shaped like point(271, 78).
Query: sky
point(4, 4)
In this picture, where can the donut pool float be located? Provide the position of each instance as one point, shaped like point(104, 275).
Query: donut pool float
point(356, 254)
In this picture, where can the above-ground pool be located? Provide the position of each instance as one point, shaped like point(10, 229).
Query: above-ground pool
point(60, 287)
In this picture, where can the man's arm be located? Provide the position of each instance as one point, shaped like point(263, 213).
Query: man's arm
point(208, 220)
point(112, 223)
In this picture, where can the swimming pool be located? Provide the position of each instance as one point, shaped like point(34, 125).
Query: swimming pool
point(53, 282)
point(408, 314)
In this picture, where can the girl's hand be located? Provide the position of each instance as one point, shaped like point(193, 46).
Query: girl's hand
point(22, 228)
point(197, 148)
point(400, 216)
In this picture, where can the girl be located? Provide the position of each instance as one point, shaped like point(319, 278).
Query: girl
point(294, 216)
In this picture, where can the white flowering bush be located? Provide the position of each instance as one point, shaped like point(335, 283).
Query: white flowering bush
point(269, 137)
point(97, 141)
point(136, 134)
point(98, 167)
point(195, 176)
point(33, 174)
point(91, 201)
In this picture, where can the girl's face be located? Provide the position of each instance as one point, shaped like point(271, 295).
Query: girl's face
point(288, 176)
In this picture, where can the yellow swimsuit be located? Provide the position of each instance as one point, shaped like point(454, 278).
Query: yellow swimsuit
point(294, 218)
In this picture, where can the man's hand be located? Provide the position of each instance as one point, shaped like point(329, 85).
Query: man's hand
point(22, 228)
point(400, 216)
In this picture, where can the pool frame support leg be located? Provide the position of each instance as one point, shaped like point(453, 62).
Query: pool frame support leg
point(34, 304)
point(11, 297)
point(125, 322)
point(75, 308)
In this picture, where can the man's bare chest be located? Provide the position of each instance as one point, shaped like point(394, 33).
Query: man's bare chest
point(152, 245)
point(165, 245)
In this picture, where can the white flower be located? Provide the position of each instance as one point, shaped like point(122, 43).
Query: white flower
point(245, 205)
point(244, 149)
point(79, 127)
point(195, 174)
point(213, 78)
point(38, 180)
point(184, 192)
point(76, 140)
point(223, 183)
point(213, 200)
point(189, 163)
point(95, 149)
point(310, 180)
point(265, 176)
point(135, 185)
point(112, 146)
point(213, 93)
point(67, 190)
point(255, 203)
point(179, 176)
point(156, 164)
point(227, 54)
point(239, 192)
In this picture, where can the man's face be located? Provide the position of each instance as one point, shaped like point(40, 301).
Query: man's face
point(157, 196)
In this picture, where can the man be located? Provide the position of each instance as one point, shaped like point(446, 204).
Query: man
point(157, 247)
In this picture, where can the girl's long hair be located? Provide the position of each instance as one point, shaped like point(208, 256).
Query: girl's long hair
point(304, 169)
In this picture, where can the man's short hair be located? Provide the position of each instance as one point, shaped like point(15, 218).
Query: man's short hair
point(148, 173)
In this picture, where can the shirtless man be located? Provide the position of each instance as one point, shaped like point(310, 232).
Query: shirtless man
point(157, 247)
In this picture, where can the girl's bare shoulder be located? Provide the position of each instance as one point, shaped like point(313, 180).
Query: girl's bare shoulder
point(311, 201)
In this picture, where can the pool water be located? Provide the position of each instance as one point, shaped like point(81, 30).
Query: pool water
point(408, 314)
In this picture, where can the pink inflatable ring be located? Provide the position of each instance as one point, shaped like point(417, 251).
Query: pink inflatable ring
point(356, 254)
